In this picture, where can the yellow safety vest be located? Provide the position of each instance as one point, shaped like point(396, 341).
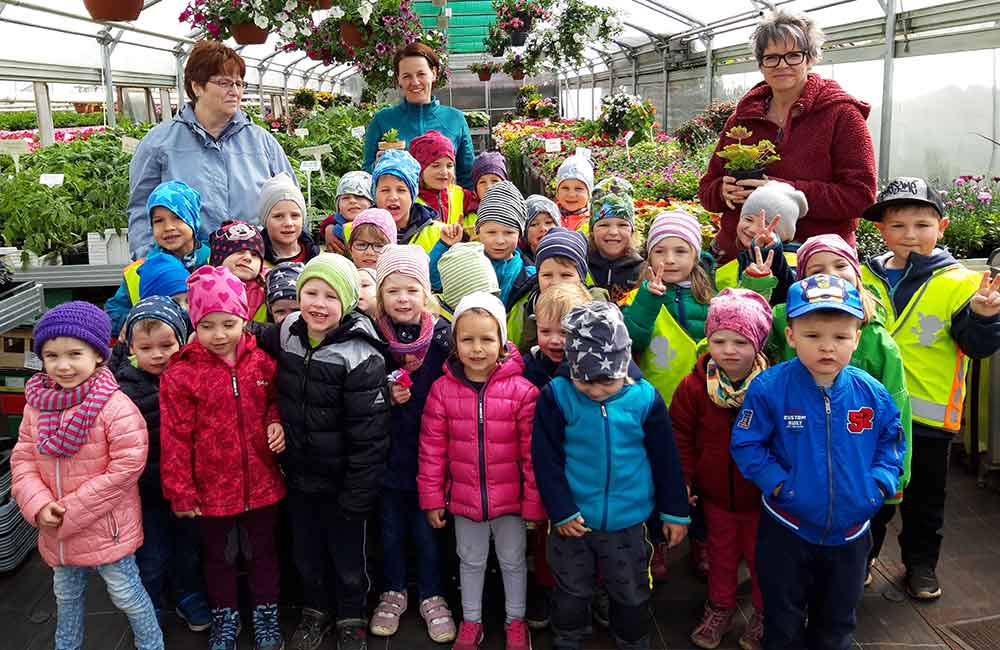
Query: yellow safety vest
point(624, 300)
point(935, 366)
point(131, 273)
point(515, 320)
point(261, 315)
point(426, 237)
point(727, 276)
point(444, 312)
point(456, 204)
point(671, 354)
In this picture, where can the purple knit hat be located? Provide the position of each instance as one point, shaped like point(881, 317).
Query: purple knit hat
point(379, 218)
point(489, 162)
point(675, 223)
point(234, 236)
point(76, 319)
point(826, 244)
point(742, 311)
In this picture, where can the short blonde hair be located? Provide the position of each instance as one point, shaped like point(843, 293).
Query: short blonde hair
point(559, 299)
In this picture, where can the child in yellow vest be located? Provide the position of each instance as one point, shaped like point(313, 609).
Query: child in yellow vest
point(436, 155)
point(940, 314)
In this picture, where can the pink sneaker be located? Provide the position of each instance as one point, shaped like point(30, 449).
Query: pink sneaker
point(385, 621)
point(518, 637)
point(713, 626)
point(754, 632)
point(470, 635)
point(440, 625)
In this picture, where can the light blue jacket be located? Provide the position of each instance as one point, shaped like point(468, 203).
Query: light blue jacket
point(413, 120)
point(227, 171)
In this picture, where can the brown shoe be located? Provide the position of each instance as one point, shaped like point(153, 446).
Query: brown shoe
point(713, 626)
point(753, 633)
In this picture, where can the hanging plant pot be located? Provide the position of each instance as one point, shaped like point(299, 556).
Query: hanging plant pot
point(747, 174)
point(120, 10)
point(248, 34)
point(323, 4)
point(517, 39)
point(439, 3)
point(351, 35)
point(485, 75)
point(442, 21)
point(517, 75)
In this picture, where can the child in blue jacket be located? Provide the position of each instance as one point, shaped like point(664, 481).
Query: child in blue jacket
point(824, 443)
point(605, 458)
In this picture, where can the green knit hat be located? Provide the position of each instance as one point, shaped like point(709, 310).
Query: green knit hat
point(465, 269)
point(338, 272)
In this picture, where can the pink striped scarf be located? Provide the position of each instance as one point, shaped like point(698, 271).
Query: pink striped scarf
point(66, 438)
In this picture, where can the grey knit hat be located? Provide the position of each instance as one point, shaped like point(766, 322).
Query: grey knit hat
point(597, 342)
point(281, 187)
point(504, 204)
point(781, 199)
point(537, 204)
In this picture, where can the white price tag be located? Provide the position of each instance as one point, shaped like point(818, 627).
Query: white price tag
point(318, 150)
point(629, 135)
point(583, 151)
point(129, 145)
point(31, 361)
point(358, 132)
point(310, 165)
point(52, 180)
point(301, 132)
point(553, 145)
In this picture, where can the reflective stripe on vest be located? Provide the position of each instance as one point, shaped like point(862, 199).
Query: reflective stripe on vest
point(727, 276)
point(935, 366)
point(670, 356)
point(347, 231)
point(131, 274)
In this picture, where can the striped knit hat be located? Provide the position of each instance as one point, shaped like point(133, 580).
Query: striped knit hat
point(537, 204)
point(563, 242)
point(675, 223)
point(465, 269)
point(504, 204)
point(409, 259)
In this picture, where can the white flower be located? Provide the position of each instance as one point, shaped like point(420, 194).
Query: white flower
point(261, 21)
point(291, 5)
point(365, 10)
point(578, 37)
point(288, 30)
point(336, 13)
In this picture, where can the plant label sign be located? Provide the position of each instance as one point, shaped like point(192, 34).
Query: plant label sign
point(318, 150)
point(629, 135)
point(310, 166)
point(301, 132)
point(52, 180)
point(129, 145)
point(358, 132)
point(553, 145)
point(15, 149)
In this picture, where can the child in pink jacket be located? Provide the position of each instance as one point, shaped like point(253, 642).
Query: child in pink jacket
point(80, 450)
point(475, 460)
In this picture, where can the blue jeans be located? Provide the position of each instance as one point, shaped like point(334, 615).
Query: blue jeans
point(402, 519)
point(122, 579)
point(169, 543)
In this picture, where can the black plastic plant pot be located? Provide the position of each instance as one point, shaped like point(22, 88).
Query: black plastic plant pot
point(75, 258)
point(747, 174)
point(517, 39)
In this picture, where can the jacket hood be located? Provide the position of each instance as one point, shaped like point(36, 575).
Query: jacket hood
point(818, 94)
point(306, 241)
point(620, 269)
point(419, 215)
point(919, 265)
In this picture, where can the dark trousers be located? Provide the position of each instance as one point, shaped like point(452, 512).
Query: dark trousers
point(224, 539)
point(623, 559)
point(329, 553)
point(170, 544)
point(922, 509)
point(810, 591)
point(403, 521)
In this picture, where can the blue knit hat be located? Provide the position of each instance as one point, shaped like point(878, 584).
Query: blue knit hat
point(163, 309)
point(563, 242)
point(76, 319)
point(181, 199)
point(401, 165)
point(162, 275)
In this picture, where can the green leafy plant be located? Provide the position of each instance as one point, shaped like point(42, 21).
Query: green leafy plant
point(747, 157)
point(622, 112)
point(515, 64)
point(496, 41)
point(304, 98)
point(477, 119)
point(392, 135)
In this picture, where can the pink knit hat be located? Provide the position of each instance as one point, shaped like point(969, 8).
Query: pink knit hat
point(431, 146)
point(379, 218)
point(215, 288)
point(675, 223)
point(409, 259)
point(826, 244)
point(742, 311)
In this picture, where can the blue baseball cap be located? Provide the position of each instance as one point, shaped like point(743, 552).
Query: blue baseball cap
point(824, 292)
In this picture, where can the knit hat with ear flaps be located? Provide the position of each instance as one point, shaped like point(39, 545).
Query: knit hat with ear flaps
point(781, 200)
point(504, 204)
point(275, 189)
point(488, 302)
point(465, 269)
point(215, 288)
point(338, 272)
point(597, 342)
point(232, 237)
point(742, 311)
point(79, 320)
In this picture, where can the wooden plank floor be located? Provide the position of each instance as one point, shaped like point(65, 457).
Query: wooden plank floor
point(969, 572)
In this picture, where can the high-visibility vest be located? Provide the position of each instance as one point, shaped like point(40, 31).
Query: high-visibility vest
point(935, 366)
point(131, 273)
point(727, 276)
point(456, 204)
point(515, 320)
point(426, 237)
point(670, 356)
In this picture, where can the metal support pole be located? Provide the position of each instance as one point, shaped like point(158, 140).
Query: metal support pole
point(593, 88)
point(635, 74)
point(888, 68)
point(179, 55)
point(166, 113)
point(709, 65)
point(261, 69)
point(284, 90)
point(46, 131)
point(666, 90)
point(104, 38)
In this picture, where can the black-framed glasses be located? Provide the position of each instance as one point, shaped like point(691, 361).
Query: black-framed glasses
point(362, 246)
point(229, 84)
point(793, 58)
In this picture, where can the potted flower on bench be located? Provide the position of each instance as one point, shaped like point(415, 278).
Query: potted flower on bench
point(485, 70)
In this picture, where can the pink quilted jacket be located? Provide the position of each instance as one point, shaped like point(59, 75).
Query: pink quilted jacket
point(97, 485)
point(475, 448)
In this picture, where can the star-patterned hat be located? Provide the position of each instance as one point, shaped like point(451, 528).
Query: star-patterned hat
point(597, 342)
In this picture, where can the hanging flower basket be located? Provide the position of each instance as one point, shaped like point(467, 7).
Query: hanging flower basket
point(351, 35)
point(517, 39)
point(249, 34)
point(439, 3)
point(323, 4)
point(485, 75)
point(517, 75)
point(119, 10)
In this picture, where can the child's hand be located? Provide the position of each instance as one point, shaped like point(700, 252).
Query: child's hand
point(674, 533)
point(986, 301)
point(399, 394)
point(436, 518)
point(761, 267)
point(333, 243)
point(276, 437)
point(655, 285)
point(764, 236)
point(50, 516)
point(574, 528)
point(692, 498)
point(188, 514)
point(451, 234)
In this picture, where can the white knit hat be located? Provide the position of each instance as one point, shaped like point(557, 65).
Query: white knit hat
point(781, 199)
point(489, 302)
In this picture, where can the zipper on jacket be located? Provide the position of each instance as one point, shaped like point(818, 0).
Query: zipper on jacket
point(62, 555)
point(482, 452)
point(243, 444)
point(305, 376)
point(607, 461)
point(113, 526)
point(829, 465)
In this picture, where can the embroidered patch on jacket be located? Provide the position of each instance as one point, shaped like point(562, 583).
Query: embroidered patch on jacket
point(795, 422)
point(746, 416)
point(860, 420)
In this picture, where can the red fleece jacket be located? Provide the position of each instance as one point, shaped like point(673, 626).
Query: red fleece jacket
point(826, 152)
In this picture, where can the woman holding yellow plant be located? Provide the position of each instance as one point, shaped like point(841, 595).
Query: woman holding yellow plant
point(794, 127)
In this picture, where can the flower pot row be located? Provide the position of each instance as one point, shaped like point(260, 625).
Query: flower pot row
point(486, 75)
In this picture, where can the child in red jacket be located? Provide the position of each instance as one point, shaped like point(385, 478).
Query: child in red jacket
point(219, 433)
point(702, 411)
point(479, 467)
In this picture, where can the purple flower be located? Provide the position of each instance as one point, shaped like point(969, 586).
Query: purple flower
point(984, 197)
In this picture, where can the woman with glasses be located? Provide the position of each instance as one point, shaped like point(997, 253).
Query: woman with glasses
point(210, 144)
point(818, 129)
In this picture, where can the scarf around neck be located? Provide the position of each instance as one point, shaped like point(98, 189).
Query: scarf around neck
point(63, 439)
point(721, 389)
point(408, 355)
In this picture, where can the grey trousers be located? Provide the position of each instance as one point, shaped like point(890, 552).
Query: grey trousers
point(473, 542)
